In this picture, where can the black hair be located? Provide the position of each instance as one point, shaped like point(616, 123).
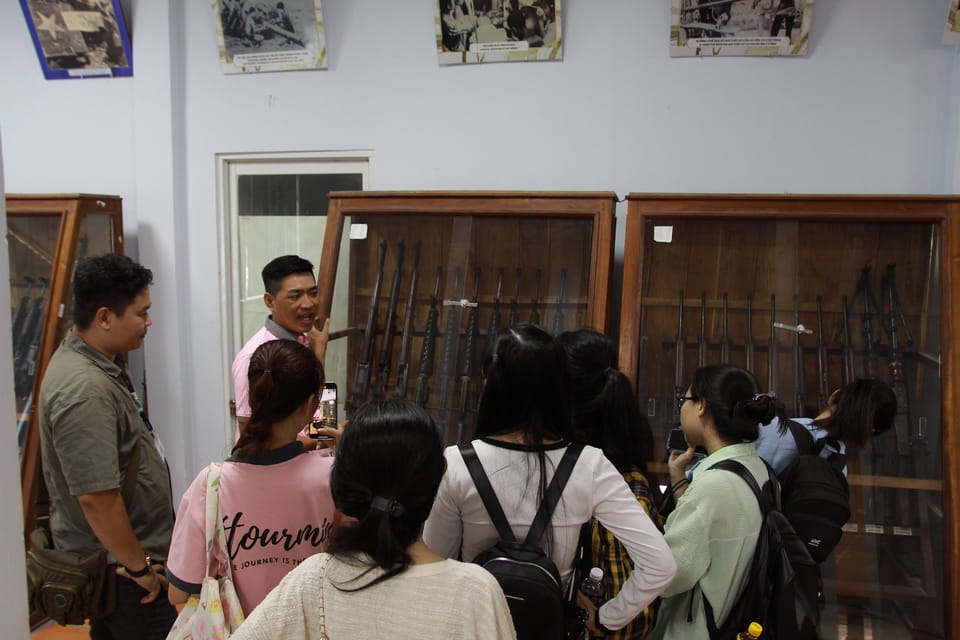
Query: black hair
point(731, 398)
point(386, 475)
point(605, 406)
point(279, 268)
point(112, 280)
point(282, 375)
point(862, 409)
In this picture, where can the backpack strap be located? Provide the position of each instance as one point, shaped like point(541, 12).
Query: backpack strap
point(802, 436)
point(554, 491)
point(836, 459)
point(489, 497)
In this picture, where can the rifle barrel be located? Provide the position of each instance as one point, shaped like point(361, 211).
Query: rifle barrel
point(406, 338)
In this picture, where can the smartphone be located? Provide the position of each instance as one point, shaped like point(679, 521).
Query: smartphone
point(676, 442)
point(326, 415)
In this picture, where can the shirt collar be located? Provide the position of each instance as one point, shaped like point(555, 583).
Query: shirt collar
point(279, 331)
point(112, 367)
point(725, 453)
point(272, 456)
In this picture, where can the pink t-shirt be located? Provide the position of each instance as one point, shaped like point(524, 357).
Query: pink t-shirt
point(241, 385)
point(277, 511)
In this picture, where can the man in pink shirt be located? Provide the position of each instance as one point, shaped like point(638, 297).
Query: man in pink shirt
point(291, 295)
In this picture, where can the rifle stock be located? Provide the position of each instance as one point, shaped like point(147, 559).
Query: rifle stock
point(846, 352)
point(469, 349)
point(495, 315)
point(406, 338)
point(428, 348)
point(362, 378)
point(389, 327)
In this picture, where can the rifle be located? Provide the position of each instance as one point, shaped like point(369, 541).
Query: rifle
point(898, 382)
point(702, 339)
point(772, 347)
point(469, 349)
point(495, 315)
point(678, 388)
point(823, 368)
point(20, 314)
point(362, 378)
point(428, 347)
point(406, 338)
point(869, 355)
point(389, 327)
point(534, 311)
point(797, 360)
point(514, 317)
point(751, 347)
point(558, 319)
point(451, 338)
point(25, 351)
point(725, 338)
point(846, 353)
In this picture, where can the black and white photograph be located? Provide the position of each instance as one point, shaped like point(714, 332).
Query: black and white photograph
point(951, 32)
point(79, 38)
point(740, 27)
point(474, 31)
point(270, 35)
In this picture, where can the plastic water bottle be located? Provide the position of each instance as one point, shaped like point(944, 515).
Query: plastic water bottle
point(752, 633)
point(592, 586)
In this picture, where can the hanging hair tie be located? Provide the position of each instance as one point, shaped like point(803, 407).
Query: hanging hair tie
point(770, 395)
point(389, 506)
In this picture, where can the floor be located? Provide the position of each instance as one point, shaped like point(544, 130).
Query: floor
point(53, 631)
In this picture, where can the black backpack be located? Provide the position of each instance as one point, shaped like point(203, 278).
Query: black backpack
point(815, 493)
point(529, 578)
point(782, 585)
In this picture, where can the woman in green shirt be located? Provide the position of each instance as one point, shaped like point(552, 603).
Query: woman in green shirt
point(713, 530)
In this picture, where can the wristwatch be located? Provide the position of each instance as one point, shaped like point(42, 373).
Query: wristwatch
point(139, 573)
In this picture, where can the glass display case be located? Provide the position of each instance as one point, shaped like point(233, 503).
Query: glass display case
point(810, 293)
point(46, 235)
point(416, 283)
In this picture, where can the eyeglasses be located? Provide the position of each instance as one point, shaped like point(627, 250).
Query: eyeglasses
point(682, 399)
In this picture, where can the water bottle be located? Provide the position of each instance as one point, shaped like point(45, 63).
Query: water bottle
point(752, 633)
point(592, 586)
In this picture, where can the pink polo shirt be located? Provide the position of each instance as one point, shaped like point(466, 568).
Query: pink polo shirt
point(277, 511)
point(241, 385)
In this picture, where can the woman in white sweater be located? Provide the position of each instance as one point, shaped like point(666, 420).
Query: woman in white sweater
point(524, 424)
point(378, 579)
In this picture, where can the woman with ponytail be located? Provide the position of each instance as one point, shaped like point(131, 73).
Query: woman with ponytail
point(378, 579)
point(606, 413)
point(714, 528)
point(274, 495)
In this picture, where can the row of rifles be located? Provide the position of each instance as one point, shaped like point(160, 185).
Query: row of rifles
point(380, 371)
point(892, 320)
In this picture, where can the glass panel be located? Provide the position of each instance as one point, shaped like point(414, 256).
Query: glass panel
point(279, 215)
point(867, 296)
point(32, 242)
point(473, 274)
point(95, 238)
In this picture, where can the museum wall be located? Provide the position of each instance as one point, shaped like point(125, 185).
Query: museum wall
point(871, 109)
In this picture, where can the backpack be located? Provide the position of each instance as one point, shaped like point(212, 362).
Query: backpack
point(815, 493)
point(782, 584)
point(529, 578)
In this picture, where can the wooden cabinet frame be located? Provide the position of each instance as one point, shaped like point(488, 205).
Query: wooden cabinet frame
point(943, 212)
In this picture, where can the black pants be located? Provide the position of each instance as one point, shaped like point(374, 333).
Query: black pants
point(132, 620)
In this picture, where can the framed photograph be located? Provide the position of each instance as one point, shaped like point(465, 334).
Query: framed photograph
point(474, 31)
point(951, 33)
point(79, 38)
point(740, 27)
point(270, 35)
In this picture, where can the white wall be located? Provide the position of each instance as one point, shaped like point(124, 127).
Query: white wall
point(871, 109)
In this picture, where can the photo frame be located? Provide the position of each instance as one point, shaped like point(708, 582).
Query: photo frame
point(477, 31)
point(951, 31)
point(706, 28)
point(79, 38)
point(255, 36)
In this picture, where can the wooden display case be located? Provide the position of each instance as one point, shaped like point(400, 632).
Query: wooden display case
point(486, 259)
point(46, 235)
point(873, 281)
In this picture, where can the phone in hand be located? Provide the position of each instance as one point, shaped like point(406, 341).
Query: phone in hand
point(326, 414)
point(677, 442)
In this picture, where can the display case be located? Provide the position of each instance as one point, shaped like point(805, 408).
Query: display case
point(46, 235)
point(809, 293)
point(416, 283)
